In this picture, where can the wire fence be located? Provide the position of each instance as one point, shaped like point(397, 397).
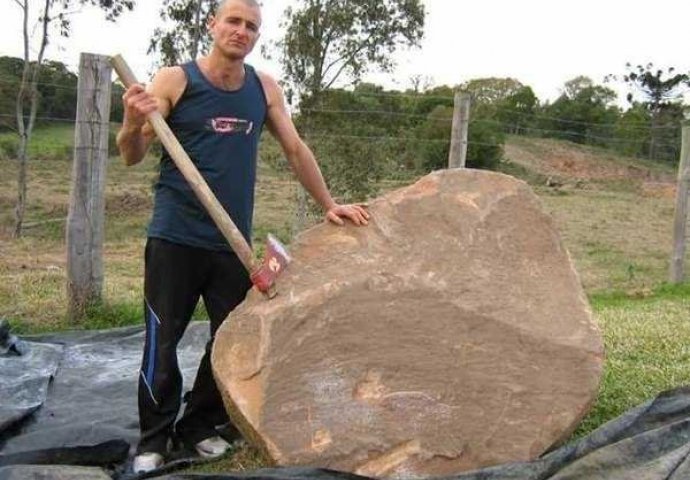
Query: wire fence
point(44, 121)
point(377, 125)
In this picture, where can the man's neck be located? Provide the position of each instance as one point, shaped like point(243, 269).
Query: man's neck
point(223, 72)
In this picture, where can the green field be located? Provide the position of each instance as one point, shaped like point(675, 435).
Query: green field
point(617, 229)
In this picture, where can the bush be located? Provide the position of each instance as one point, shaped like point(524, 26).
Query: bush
point(66, 152)
point(485, 148)
point(352, 168)
point(112, 141)
point(9, 148)
point(485, 142)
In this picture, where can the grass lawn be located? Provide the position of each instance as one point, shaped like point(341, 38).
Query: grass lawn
point(647, 349)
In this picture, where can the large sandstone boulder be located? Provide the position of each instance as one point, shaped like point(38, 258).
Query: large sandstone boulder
point(451, 333)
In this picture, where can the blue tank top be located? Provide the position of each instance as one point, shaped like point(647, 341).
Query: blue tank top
point(220, 132)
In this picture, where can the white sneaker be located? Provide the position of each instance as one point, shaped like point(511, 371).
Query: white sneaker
point(212, 447)
point(147, 462)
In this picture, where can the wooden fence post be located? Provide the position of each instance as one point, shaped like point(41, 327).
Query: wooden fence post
point(457, 156)
point(681, 215)
point(85, 220)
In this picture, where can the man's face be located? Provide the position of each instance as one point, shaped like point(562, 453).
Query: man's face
point(235, 29)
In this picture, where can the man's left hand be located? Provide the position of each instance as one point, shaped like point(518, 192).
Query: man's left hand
point(356, 213)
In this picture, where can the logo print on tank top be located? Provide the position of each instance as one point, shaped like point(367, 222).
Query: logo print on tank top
point(231, 126)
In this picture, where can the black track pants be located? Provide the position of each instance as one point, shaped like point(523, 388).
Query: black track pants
point(174, 279)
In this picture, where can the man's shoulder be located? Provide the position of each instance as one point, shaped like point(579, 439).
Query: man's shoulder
point(270, 85)
point(265, 77)
point(169, 83)
point(171, 74)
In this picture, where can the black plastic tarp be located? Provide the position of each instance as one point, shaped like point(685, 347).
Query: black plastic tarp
point(68, 411)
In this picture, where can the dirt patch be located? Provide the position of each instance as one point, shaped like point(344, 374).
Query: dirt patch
point(127, 203)
point(37, 265)
point(658, 189)
point(25, 255)
point(564, 160)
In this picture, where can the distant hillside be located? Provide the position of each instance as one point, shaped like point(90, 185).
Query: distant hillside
point(561, 163)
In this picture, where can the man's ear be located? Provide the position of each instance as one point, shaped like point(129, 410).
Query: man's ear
point(210, 24)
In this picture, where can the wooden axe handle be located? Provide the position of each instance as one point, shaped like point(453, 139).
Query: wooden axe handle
point(192, 175)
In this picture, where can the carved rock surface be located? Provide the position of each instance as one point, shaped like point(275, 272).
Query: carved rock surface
point(452, 333)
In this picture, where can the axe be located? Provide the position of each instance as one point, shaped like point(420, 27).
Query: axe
point(262, 274)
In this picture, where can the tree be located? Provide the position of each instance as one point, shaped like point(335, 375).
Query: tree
point(504, 101)
point(516, 112)
point(657, 90)
point(27, 91)
point(485, 142)
point(584, 113)
point(632, 131)
point(575, 86)
point(11, 73)
point(326, 39)
point(420, 83)
point(57, 90)
point(491, 91)
point(53, 13)
point(661, 90)
point(424, 104)
point(185, 38)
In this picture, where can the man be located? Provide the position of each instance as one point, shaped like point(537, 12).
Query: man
point(216, 106)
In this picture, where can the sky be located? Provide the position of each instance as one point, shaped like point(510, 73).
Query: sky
point(541, 43)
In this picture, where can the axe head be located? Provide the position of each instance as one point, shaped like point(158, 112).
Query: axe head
point(276, 259)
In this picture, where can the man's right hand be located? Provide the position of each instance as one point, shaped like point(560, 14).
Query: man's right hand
point(134, 137)
point(136, 133)
point(138, 103)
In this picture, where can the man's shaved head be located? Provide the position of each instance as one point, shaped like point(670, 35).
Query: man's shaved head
point(249, 3)
point(234, 27)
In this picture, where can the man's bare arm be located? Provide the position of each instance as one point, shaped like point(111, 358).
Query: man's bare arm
point(302, 159)
point(136, 134)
